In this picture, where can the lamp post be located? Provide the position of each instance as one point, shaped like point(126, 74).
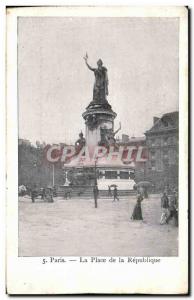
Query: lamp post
point(144, 172)
point(53, 175)
point(34, 180)
point(95, 171)
point(95, 185)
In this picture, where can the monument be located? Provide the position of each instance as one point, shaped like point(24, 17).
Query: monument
point(99, 131)
point(99, 116)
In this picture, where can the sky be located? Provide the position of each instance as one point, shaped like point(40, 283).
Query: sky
point(55, 86)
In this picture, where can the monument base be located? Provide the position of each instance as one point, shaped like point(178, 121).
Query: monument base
point(99, 119)
point(95, 105)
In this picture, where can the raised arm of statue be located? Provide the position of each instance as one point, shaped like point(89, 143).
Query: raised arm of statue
point(86, 61)
point(89, 67)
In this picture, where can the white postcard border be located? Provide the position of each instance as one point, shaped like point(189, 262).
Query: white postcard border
point(29, 275)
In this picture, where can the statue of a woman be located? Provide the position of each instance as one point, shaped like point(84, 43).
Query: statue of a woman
point(100, 90)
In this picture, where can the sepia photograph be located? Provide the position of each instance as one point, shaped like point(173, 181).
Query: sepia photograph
point(100, 122)
point(98, 136)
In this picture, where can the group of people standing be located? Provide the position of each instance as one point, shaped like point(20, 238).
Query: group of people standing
point(169, 205)
point(46, 194)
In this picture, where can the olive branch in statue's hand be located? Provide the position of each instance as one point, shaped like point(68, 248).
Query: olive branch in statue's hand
point(86, 57)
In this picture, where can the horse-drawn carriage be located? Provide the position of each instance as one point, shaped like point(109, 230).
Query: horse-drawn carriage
point(46, 194)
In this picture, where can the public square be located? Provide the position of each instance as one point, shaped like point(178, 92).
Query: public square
point(75, 228)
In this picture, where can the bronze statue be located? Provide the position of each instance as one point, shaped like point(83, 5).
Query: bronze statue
point(111, 136)
point(108, 136)
point(80, 143)
point(100, 90)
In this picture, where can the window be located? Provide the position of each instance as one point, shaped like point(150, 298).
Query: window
point(152, 142)
point(166, 163)
point(153, 165)
point(165, 152)
point(158, 141)
point(152, 154)
point(165, 141)
point(111, 174)
point(124, 175)
point(101, 174)
point(170, 140)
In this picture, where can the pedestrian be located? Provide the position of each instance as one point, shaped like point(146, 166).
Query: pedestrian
point(70, 192)
point(33, 193)
point(140, 190)
point(96, 192)
point(50, 195)
point(66, 194)
point(109, 191)
point(54, 191)
point(173, 215)
point(137, 212)
point(115, 194)
point(165, 208)
point(168, 189)
point(43, 193)
point(177, 208)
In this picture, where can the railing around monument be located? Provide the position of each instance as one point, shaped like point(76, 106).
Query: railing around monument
point(86, 192)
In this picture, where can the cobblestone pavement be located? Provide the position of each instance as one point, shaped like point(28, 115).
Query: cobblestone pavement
point(75, 228)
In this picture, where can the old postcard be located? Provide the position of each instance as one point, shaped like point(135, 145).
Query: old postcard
point(97, 150)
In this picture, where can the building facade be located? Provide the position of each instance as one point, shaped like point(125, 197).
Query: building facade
point(162, 144)
point(139, 144)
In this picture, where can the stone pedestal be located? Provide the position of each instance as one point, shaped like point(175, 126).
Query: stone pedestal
point(99, 120)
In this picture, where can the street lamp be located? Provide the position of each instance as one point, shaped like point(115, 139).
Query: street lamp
point(34, 173)
point(95, 163)
point(53, 175)
point(95, 185)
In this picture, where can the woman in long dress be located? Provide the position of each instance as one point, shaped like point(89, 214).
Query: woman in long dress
point(137, 212)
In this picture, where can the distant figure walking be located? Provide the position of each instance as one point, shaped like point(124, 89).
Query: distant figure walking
point(96, 192)
point(137, 212)
point(33, 193)
point(165, 208)
point(115, 194)
point(49, 195)
point(109, 191)
point(67, 195)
